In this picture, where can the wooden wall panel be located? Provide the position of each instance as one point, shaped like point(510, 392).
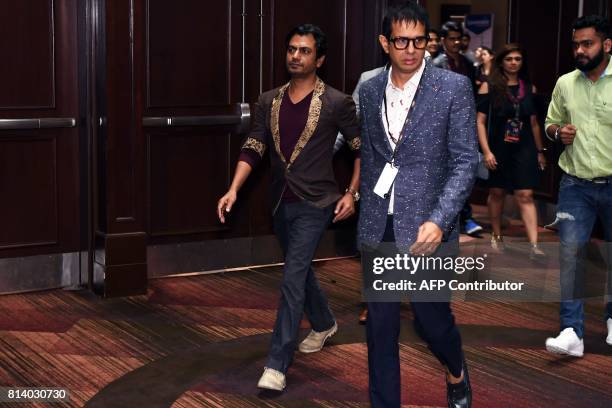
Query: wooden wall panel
point(39, 169)
point(27, 76)
point(187, 174)
point(124, 144)
point(188, 53)
point(599, 7)
point(536, 24)
point(193, 67)
point(28, 187)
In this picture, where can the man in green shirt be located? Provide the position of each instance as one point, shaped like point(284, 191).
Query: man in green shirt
point(580, 117)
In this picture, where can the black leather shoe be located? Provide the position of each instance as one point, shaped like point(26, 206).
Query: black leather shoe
point(460, 395)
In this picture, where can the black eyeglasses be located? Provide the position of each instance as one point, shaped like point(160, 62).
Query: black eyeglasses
point(401, 43)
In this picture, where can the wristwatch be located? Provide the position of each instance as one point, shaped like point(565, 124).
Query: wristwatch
point(353, 193)
point(542, 150)
point(557, 133)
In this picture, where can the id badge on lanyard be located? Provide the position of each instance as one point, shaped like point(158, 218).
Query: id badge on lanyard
point(387, 177)
point(512, 132)
point(385, 181)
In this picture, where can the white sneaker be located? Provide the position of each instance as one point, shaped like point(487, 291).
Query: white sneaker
point(609, 338)
point(567, 342)
point(272, 380)
point(316, 340)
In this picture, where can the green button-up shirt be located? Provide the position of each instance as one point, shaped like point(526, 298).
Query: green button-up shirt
point(588, 106)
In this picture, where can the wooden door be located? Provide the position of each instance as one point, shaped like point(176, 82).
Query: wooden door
point(39, 142)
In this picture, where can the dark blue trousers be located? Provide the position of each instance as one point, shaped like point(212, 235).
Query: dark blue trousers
point(299, 227)
point(433, 321)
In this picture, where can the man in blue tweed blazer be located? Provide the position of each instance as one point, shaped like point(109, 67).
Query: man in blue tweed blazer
point(422, 120)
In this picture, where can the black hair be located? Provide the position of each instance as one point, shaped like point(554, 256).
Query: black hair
point(599, 23)
point(487, 49)
point(450, 26)
point(498, 82)
point(436, 32)
point(409, 12)
point(318, 34)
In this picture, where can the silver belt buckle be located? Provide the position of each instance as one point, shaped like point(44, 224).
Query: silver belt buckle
point(601, 180)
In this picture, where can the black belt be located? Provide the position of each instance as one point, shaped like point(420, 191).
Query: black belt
point(596, 180)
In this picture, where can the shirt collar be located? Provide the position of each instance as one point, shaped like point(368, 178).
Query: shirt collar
point(412, 82)
point(608, 70)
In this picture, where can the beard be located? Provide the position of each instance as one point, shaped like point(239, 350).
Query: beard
point(586, 64)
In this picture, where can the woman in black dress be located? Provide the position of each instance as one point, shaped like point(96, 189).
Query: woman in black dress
point(511, 141)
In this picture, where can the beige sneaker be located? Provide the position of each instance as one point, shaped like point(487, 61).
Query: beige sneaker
point(536, 252)
point(316, 340)
point(272, 380)
point(497, 243)
point(609, 338)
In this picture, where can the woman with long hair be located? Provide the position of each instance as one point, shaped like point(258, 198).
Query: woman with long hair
point(511, 141)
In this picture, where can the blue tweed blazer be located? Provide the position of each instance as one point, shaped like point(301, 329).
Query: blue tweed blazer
point(437, 157)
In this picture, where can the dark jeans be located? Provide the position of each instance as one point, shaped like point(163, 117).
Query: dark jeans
point(433, 321)
point(580, 202)
point(465, 213)
point(299, 227)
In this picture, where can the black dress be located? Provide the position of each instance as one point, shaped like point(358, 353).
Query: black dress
point(517, 163)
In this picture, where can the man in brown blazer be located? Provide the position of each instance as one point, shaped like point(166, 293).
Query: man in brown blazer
point(298, 124)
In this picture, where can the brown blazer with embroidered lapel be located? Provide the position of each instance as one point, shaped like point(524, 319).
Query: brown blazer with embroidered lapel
point(309, 172)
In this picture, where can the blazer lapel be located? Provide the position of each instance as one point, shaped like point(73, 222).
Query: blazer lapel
point(275, 112)
point(428, 88)
point(381, 141)
point(314, 112)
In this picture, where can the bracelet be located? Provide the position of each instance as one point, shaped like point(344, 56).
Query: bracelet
point(542, 150)
point(355, 194)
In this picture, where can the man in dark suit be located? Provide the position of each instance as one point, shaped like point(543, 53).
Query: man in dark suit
point(418, 133)
point(298, 123)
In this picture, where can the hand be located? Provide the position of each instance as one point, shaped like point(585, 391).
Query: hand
point(567, 134)
point(345, 208)
point(542, 161)
point(225, 204)
point(490, 161)
point(428, 239)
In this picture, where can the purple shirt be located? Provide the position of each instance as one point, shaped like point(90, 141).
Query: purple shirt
point(291, 123)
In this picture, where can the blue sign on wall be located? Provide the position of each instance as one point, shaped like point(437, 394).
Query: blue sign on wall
point(478, 23)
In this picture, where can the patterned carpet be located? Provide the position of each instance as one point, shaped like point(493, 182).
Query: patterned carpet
point(201, 341)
